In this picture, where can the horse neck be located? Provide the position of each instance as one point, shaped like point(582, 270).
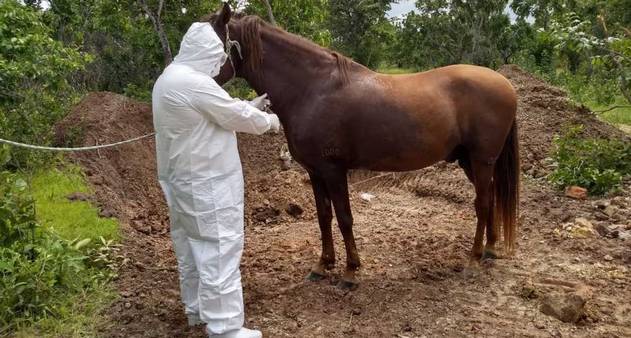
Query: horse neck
point(292, 70)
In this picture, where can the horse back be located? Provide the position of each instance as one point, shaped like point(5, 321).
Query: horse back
point(403, 122)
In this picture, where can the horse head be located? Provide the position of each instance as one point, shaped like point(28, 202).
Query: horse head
point(242, 41)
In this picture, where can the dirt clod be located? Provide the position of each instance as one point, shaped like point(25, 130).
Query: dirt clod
point(78, 196)
point(568, 307)
point(294, 210)
point(576, 192)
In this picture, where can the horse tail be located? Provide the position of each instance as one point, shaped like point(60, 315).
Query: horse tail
point(506, 189)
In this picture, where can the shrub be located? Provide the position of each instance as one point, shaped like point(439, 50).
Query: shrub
point(596, 164)
point(39, 271)
point(34, 73)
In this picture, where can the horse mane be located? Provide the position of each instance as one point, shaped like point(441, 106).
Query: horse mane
point(251, 37)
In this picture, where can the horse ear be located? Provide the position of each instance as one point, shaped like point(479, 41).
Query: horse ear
point(225, 14)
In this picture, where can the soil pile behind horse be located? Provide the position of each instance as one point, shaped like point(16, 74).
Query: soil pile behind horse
point(414, 236)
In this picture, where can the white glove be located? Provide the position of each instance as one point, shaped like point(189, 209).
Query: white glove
point(275, 123)
point(261, 102)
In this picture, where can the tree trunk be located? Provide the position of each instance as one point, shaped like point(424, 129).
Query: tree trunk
point(159, 28)
point(270, 14)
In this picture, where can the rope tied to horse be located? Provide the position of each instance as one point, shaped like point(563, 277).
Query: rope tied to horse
point(229, 45)
point(111, 145)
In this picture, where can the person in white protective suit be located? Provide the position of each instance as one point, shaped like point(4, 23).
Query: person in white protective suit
point(200, 173)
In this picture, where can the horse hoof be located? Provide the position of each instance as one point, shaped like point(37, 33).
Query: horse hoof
point(347, 286)
point(315, 277)
point(488, 254)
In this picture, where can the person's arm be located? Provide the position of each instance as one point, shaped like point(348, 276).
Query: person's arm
point(210, 100)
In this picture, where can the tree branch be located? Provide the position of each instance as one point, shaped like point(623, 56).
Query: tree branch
point(612, 108)
point(159, 28)
point(270, 13)
point(160, 6)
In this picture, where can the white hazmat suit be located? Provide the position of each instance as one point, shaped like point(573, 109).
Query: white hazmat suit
point(200, 173)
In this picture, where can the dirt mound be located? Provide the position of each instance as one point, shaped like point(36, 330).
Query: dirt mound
point(545, 111)
point(413, 237)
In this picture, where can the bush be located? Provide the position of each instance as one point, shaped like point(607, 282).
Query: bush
point(34, 72)
point(598, 165)
point(40, 271)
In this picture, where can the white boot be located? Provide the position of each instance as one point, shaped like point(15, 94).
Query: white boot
point(194, 320)
point(241, 333)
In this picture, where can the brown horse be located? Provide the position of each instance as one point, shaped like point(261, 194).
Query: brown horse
point(339, 115)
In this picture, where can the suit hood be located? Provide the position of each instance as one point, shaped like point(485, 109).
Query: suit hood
point(202, 50)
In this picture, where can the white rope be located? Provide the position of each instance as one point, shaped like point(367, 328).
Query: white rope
point(30, 146)
point(229, 45)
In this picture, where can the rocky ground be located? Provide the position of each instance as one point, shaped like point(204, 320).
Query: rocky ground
point(569, 278)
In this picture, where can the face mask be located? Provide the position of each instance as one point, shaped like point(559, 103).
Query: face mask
point(222, 60)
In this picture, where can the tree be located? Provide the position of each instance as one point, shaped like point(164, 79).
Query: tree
point(611, 51)
point(447, 32)
point(541, 10)
point(34, 73)
point(307, 18)
point(360, 29)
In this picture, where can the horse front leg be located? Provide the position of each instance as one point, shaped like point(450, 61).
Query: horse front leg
point(325, 216)
point(337, 187)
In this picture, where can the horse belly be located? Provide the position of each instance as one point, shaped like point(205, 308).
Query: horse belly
point(406, 150)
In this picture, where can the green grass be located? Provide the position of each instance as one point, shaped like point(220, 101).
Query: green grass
point(616, 116)
point(82, 315)
point(70, 219)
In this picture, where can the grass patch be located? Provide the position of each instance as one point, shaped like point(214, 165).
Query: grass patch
point(600, 165)
point(82, 315)
point(615, 116)
point(69, 219)
point(75, 296)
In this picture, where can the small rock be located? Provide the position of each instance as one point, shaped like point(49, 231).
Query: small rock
point(141, 227)
point(107, 213)
point(128, 305)
point(294, 210)
point(265, 214)
point(608, 258)
point(540, 326)
point(357, 312)
point(583, 222)
point(576, 192)
point(529, 291)
point(367, 197)
point(602, 230)
point(78, 196)
point(581, 228)
point(126, 294)
point(285, 165)
point(609, 211)
point(619, 201)
point(568, 308)
point(98, 180)
point(625, 235)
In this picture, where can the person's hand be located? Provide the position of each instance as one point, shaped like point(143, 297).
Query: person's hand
point(275, 124)
point(261, 102)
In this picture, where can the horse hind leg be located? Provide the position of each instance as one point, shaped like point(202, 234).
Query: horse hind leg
point(482, 195)
point(491, 228)
point(482, 173)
